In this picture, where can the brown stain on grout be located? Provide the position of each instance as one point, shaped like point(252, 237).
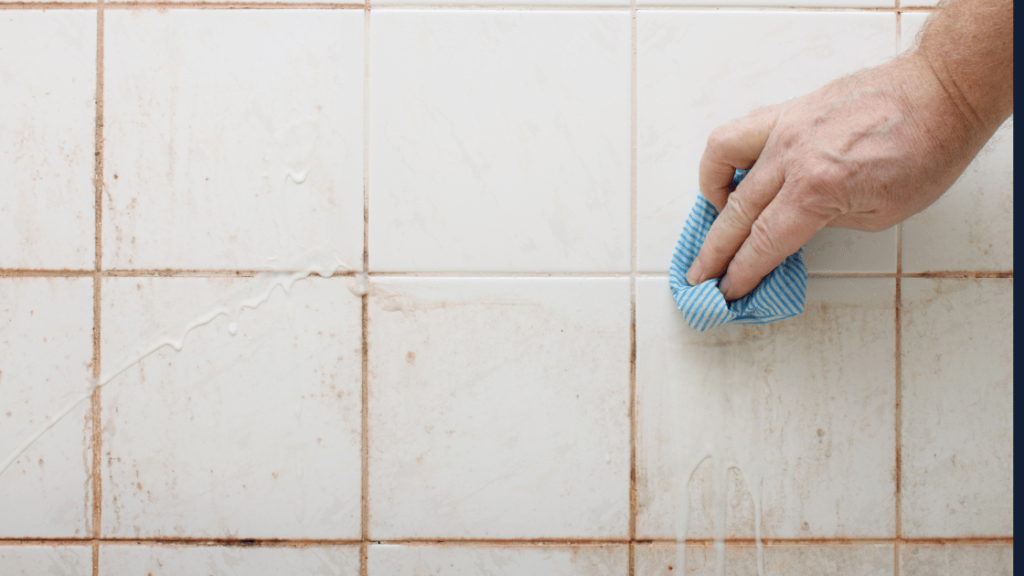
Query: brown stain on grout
point(633, 248)
point(96, 400)
point(523, 542)
point(634, 138)
point(162, 6)
point(961, 274)
point(898, 379)
point(186, 273)
point(364, 506)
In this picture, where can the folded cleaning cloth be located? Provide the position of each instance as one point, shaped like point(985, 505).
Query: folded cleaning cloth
point(779, 296)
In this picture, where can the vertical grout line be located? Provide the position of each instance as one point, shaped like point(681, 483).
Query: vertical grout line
point(632, 283)
point(97, 285)
point(898, 416)
point(364, 513)
point(898, 353)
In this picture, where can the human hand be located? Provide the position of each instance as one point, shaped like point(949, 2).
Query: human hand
point(864, 152)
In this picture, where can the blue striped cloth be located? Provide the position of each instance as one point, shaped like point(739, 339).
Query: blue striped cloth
point(779, 296)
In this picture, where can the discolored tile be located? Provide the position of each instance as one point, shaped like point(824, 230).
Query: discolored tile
point(807, 404)
point(45, 366)
point(229, 561)
point(499, 141)
point(255, 435)
point(47, 142)
point(957, 473)
point(506, 560)
point(234, 139)
point(770, 57)
point(499, 408)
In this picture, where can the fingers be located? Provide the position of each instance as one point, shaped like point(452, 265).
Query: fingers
point(734, 145)
point(733, 225)
point(781, 229)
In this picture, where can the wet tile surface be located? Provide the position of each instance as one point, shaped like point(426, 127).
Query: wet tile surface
point(500, 141)
point(229, 561)
point(499, 408)
point(770, 57)
point(819, 389)
point(957, 407)
point(47, 116)
point(232, 137)
point(508, 561)
point(255, 435)
point(45, 363)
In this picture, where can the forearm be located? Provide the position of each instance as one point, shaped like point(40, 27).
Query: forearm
point(968, 46)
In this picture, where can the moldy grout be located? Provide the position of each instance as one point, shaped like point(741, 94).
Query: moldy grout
point(97, 285)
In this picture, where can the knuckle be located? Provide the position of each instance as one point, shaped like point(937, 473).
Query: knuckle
point(763, 241)
point(741, 212)
point(720, 138)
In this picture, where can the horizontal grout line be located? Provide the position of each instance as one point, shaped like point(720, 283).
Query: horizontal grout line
point(168, 273)
point(958, 274)
point(229, 6)
point(255, 542)
point(48, 5)
point(163, 6)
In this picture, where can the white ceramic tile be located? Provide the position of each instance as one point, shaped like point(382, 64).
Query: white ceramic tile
point(823, 388)
point(785, 560)
point(957, 471)
point(232, 137)
point(971, 226)
point(45, 361)
point(500, 141)
point(229, 561)
point(917, 4)
point(256, 435)
point(47, 119)
point(787, 3)
point(388, 560)
point(499, 408)
point(956, 559)
point(46, 560)
point(769, 57)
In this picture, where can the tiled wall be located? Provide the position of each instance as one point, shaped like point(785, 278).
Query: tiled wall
point(512, 178)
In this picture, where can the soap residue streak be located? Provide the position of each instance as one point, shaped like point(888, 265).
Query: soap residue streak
point(321, 261)
point(720, 378)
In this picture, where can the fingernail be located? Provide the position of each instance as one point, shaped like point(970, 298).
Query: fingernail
point(723, 286)
point(693, 274)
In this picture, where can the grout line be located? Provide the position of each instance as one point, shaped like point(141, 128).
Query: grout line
point(163, 6)
point(97, 288)
point(300, 543)
point(633, 106)
point(29, 273)
point(231, 6)
point(898, 409)
point(364, 509)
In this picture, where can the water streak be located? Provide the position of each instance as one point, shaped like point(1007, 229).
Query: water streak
point(321, 261)
point(716, 385)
